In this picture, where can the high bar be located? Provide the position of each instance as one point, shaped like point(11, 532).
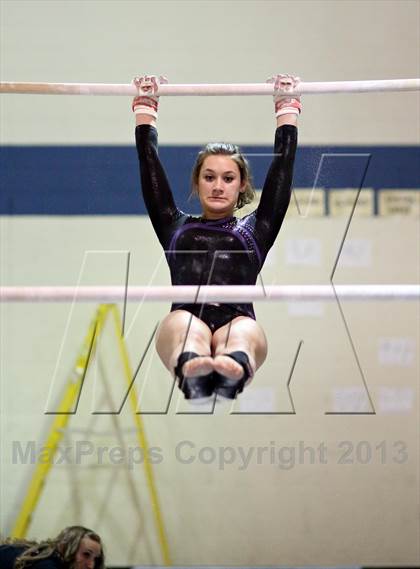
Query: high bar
point(205, 294)
point(207, 89)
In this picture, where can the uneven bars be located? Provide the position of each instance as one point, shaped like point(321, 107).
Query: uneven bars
point(221, 294)
point(305, 88)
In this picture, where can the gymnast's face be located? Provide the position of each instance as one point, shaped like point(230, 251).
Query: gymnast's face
point(87, 554)
point(219, 185)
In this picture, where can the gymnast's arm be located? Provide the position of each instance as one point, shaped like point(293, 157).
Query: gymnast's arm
point(155, 186)
point(275, 196)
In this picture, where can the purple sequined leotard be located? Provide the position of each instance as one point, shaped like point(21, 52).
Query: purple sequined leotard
point(228, 251)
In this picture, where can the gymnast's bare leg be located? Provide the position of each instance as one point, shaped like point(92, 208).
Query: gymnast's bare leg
point(181, 331)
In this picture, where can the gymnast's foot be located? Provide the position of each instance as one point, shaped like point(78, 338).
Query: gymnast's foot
point(228, 367)
point(195, 376)
point(231, 372)
point(201, 365)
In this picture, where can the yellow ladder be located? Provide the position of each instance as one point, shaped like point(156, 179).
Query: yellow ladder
point(62, 417)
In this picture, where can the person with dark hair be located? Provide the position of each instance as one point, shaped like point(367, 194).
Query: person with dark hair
point(75, 547)
point(215, 348)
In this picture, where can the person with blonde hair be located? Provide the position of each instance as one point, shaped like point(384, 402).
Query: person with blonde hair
point(215, 348)
point(75, 547)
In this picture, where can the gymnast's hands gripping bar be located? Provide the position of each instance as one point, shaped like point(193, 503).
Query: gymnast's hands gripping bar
point(314, 88)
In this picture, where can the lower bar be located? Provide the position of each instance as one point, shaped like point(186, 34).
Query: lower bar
point(204, 294)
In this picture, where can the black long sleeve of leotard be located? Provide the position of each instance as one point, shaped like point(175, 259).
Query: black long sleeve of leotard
point(275, 196)
point(157, 193)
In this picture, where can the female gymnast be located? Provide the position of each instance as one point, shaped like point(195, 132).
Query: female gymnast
point(215, 348)
point(75, 547)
